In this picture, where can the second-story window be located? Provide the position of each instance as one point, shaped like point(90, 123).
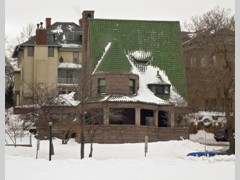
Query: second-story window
point(30, 51)
point(101, 86)
point(193, 61)
point(76, 57)
point(160, 89)
point(67, 76)
point(50, 51)
point(131, 86)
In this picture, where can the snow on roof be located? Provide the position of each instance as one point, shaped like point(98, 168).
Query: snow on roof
point(120, 98)
point(105, 51)
point(70, 45)
point(67, 100)
point(150, 76)
point(58, 29)
point(69, 66)
point(70, 27)
point(141, 54)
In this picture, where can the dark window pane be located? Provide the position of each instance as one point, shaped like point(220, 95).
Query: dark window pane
point(131, 86)
point(30, 51)
point(159, 89)
point(50, 51)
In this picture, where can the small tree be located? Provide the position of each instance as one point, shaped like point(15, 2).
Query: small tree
point(94, 121)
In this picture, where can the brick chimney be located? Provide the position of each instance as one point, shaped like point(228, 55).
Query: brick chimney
point(86, 63)
point(41, 35)
point(48, 22)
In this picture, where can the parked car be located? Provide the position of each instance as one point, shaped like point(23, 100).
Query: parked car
point(221, 135)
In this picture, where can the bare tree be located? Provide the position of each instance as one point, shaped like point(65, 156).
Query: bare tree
point(94, 120)
point(16, 126)
point(27, 32)
point(214, 37)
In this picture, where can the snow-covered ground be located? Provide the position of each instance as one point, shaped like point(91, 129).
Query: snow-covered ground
point(165, 160)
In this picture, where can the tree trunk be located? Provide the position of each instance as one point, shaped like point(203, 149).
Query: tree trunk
point(91, 150)
point(82, 141)
point(231, 145)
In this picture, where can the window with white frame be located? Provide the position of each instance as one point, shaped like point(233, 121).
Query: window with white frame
point(101, 86)
point(67, 76)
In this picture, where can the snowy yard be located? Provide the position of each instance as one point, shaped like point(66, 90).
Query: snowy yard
point(165, 160)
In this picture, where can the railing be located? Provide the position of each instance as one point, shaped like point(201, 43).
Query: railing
point(68, 80)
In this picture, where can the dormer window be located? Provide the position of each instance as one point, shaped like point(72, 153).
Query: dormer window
point(73, 36)
point(131, 86)
point(160, 89)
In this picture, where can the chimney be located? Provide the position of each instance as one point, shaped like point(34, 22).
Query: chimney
point(41, 35)
point(88, 14)
point(80, 22)
point(48, 22)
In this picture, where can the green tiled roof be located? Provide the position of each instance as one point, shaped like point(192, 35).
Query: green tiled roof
point(114, 60)
point(161, 38)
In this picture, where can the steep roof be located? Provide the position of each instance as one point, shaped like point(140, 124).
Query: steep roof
point(161, 39)
point(114, 60)
point(56, 36)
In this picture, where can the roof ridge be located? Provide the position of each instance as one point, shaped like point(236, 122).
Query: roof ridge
point(137, 20)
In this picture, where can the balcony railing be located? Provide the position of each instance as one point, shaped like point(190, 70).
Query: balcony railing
point(68, 80)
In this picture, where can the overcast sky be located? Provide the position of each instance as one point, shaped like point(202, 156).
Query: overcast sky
point(20, 13)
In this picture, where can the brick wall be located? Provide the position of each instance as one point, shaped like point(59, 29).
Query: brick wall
point(133, 134)
point(41, 36)
point(116, 83)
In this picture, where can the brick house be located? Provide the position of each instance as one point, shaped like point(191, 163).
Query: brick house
point(133, 76)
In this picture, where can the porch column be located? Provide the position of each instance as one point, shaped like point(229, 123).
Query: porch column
point(106, 116)
point(155, 118)
point(137, 116)
point(171, 118)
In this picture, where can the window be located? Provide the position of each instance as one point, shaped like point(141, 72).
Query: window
point(166, 89)
point(73, 36)
point(50, 51)
point(204, 62)
point(160, 89)
point(70, 36)
point(214, 59)
point(101, 86)
point(76, 57)
point(67, 76)
point(30, 51)
point(131, 86)
point(193, 61)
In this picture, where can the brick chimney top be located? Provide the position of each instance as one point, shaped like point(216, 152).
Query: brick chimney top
point(88, 14)
point(48, 22)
